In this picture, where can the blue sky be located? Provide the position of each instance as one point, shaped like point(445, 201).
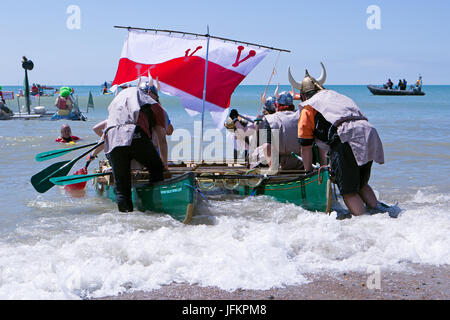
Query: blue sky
point(413, 37)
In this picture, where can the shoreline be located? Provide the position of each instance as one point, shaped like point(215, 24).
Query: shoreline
point(424, 283)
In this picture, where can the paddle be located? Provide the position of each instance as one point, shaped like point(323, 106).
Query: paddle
point(57, 153)
point(64, 181)
point(41, 181)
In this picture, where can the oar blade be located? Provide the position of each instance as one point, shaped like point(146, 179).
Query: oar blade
point(64, 181)
point(60, 152)
point(51, 154)
point(41, 181)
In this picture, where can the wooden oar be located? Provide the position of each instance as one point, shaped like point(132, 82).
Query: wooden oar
point(64, 181)
point(60, 152)
point(41, 180)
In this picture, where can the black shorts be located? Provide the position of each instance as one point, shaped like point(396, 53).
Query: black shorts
point(348, 175)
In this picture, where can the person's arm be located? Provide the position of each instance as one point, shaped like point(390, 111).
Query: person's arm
point(169, 129)
point(69, 104)
point(306, 136)
point(99, 127)
point(162, 142)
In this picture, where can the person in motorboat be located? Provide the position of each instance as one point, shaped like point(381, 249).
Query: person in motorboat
point(404, 84)
point(400, 84)
point(389, 84)
point(353, 143)
point(132, 116)
point(66, 135)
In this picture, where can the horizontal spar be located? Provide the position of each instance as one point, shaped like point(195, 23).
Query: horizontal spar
point(203, 35)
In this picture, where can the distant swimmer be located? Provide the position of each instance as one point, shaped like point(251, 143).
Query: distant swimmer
point(66, 135)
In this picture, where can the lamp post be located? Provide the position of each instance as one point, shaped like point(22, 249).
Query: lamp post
point(27, 65)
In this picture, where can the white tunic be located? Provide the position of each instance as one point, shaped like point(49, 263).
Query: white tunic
point(122, 118)
point(342, 112)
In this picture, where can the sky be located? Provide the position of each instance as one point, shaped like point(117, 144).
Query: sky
point(412, 37)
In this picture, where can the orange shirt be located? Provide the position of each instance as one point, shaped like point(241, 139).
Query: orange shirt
point(306, 123)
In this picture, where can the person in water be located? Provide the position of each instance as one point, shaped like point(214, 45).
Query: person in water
point(66, 135)
point(132, 116)
point(353, 144)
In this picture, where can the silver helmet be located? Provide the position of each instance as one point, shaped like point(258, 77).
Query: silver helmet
point(285, 99)
point(309, 84)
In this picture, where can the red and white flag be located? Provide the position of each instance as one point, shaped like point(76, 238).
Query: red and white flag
point(179, 64)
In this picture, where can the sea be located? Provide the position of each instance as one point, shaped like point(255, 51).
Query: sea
point(57, 246)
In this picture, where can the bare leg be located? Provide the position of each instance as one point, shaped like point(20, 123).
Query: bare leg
point(323, 156)
point(368, 196)
point(307, 156)
point(354, 203)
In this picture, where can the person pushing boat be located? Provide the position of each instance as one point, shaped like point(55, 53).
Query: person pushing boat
point(132, 115)
point(353, 142)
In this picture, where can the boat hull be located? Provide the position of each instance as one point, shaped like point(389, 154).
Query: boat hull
point(175, 196)
point(378, 91)
point(71, 116)
point(312, 192)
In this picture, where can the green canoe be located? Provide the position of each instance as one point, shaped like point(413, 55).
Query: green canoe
point(312, 191)
point(175, 196)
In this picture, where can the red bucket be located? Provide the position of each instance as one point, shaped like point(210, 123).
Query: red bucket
point(77, 189)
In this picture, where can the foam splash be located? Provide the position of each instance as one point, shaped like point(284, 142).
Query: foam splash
point(254, 243)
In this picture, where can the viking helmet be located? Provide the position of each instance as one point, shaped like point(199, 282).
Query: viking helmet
point(229, 123)
point(309, 84)
point(269, 105)
point(149, 86)
point(285, 99)
point(146, 86)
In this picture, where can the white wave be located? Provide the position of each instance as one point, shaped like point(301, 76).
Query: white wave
point(430, 197)
point(254, 243)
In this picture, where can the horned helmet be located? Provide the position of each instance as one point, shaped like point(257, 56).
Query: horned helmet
point(149, 86)
point(309, 84)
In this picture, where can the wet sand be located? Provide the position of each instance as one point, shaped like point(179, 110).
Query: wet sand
point(422, 283)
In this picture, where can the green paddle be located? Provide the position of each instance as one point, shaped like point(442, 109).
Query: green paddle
point(57, 153)
point(63, 181)
point(41, 180)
